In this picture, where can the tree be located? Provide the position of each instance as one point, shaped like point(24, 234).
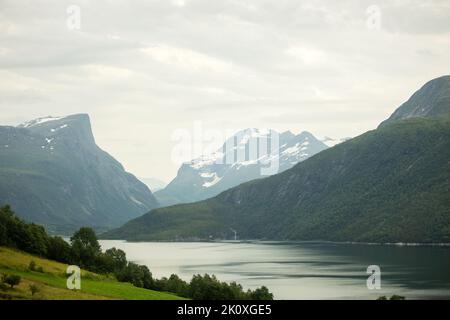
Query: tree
point(58, 250)
point(206, 288)
point(12, 280)
point(115, 259)
point(87, 238)
point(16, 233)
point(133, 273)
point(85, 248)
point(3, 235)
point(147, 279)
point(176, 285)
point(235, 292)
point(261, 294)
point(37, 239)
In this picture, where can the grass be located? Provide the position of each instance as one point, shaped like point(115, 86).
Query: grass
point(52, 282)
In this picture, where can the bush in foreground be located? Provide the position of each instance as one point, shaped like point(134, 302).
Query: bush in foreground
point(11, 280)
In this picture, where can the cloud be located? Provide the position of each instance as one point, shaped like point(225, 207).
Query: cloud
point(307, 55)
point(186, 59)
point(146, 68)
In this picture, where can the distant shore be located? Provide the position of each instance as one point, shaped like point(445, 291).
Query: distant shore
point(399, 244)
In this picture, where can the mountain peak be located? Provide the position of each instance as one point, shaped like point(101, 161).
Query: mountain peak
point(76, 126)
point(47, 119)
point(430, 101)
point(287, 134)
point(38, 121)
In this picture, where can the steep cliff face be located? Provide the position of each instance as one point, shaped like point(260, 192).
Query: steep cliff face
point(53, 173)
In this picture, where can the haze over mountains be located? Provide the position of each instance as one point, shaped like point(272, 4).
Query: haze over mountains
point(154, 184)
point(243, 157)
point(391, 184)
point(53, 173)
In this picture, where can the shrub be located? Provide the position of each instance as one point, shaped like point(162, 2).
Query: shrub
point(12, 280)
point(33, 289)
point(32, 265)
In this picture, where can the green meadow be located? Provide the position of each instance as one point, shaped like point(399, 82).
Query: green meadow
point(51, 282)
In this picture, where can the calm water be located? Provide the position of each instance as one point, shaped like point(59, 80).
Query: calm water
point(302, 270)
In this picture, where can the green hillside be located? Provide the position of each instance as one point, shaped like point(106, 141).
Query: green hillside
point(51, 283)
point(387, 185)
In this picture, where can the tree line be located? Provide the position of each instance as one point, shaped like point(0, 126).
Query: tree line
point(85, 251)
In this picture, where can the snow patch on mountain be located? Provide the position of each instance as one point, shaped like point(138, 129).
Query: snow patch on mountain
point(38, 121)
point(59, 128)
point(207, 160)
point(215, 179)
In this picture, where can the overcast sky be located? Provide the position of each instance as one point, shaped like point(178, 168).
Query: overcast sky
point(142, 69)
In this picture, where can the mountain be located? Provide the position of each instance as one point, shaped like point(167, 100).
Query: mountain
point(243, 157)
point(391, 184)
point(431, 101)
point(53, 173)
point(154, 184)
point(330, 142)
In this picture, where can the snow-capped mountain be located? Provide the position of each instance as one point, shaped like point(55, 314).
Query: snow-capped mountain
point(247, 155)
point(38, 121)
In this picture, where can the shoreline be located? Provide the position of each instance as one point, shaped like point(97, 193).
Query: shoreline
point(257, 241)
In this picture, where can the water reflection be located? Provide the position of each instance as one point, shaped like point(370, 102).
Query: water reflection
point(302, 270)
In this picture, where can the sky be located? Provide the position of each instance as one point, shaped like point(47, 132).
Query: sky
point(144, 70)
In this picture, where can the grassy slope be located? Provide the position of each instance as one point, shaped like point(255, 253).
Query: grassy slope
point(52, 282)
